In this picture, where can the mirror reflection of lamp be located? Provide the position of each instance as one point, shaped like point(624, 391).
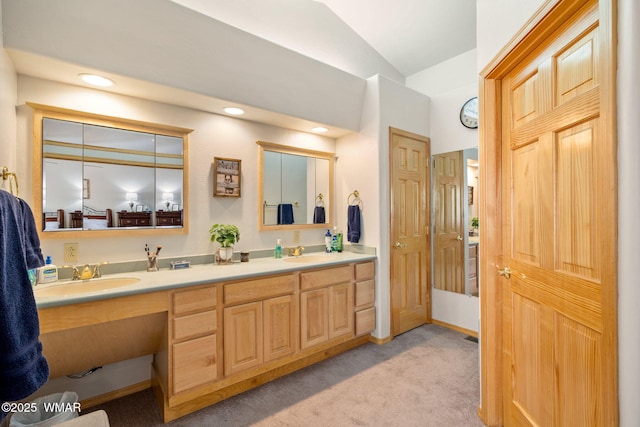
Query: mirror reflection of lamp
point(168, 198)
point(131, 198)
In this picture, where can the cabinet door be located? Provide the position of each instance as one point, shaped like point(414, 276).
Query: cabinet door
point(279, 327)
point(194, 363)
point(243, 341)
point(314, 316)
point(340, 310)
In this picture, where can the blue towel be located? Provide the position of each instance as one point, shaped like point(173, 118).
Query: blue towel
point(23, 368)
point(353, 223)
point(285, 213)
point(318, 215)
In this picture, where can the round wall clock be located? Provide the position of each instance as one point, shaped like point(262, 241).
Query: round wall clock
point(469, 113)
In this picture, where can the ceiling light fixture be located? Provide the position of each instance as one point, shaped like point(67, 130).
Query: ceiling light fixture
point(96, 80)
point(320, 129)
point(234, 111)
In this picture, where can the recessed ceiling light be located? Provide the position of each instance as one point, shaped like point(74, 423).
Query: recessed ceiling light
point(234, 110)
point(96, 80)
point(320, 129)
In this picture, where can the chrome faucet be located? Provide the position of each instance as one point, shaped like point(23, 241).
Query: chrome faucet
point(297, 251)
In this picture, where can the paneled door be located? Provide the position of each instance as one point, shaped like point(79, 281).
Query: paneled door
point(558, 273)
point(409, 237)
point(448, 241)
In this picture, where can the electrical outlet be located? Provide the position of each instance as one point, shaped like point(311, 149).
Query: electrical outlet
point(70, 252)
point(296, 237)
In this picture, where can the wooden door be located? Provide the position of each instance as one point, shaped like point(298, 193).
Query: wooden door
point(448, 244)
point(558, 230)
point(243, 340)
point(280, 322)
point(409, 237)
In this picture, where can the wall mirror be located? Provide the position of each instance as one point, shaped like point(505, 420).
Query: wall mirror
point(295, 187)
point(99, 174)
point(455, 205)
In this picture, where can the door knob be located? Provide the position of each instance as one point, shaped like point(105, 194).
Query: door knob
point(459, 238)
point(506, 273)
point(399, 245)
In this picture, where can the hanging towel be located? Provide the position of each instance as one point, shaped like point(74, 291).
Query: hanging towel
point(285, 213)
point(318, 215)
point(353, 224)
point(23, 368)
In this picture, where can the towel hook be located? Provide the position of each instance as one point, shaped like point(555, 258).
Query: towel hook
point(320, 200)
point(356, 199)
point(6, 175)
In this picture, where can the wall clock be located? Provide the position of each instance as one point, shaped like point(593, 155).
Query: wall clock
point(469, 113)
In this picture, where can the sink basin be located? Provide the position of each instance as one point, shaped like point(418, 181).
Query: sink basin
point(303, 259)
point(84, 286)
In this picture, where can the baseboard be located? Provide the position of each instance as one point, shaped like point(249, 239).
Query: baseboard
point(455, 328)
point(380, 341)
point(115, 394)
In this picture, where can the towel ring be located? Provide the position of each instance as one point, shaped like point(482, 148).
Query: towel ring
point(320, 200)
point(356, 199)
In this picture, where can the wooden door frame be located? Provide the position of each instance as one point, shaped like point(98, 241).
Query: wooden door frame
point(395, 131)
point(549, 17)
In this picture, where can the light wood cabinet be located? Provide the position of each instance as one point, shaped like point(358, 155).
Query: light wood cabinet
point(326, 305)
point(232, 336)
point(473, 269)
point(259, 331)
point(243, 345)
point(365, 311)
point(193, 338)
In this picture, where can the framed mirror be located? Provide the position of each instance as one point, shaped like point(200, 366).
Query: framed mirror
point(295, 187)
point(455, 205)
point(99, 174)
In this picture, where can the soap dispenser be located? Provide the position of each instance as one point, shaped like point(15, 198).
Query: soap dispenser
point(48, 273)
point(277, 253)
point(327, 242)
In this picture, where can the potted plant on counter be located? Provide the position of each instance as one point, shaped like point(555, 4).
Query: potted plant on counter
point(226, 235)
point(474, 226)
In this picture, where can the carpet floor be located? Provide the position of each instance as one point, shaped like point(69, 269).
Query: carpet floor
point(426, 377)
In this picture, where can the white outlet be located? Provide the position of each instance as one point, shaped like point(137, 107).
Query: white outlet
point(70, 252)
point(296, 237)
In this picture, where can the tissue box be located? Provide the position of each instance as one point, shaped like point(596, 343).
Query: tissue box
point(175, 265)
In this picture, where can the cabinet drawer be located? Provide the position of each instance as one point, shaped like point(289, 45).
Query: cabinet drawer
point(365, 321)
point(194, 300)
point(249, 290)
point(365, 271)
point(365, 292)
point(194, 363)
point(326, 277)
point(194, 325)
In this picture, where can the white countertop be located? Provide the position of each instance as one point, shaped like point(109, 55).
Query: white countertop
point(196, 275)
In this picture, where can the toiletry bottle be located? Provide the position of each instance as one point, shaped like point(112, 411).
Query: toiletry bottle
point(277, 253)
point(339, 240)
point(327, 241)
point(48, 273)
point(334, 240)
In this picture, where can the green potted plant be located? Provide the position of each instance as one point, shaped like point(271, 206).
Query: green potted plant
point(474, 225)
point(226, 235)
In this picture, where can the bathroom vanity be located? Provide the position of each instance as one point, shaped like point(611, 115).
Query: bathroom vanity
point(215, 331)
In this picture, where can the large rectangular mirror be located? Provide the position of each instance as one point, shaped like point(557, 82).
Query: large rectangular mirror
point(455, 203)
point(294, 188)
point(99, 174)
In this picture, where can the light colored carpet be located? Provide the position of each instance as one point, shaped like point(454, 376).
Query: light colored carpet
point(425, 377)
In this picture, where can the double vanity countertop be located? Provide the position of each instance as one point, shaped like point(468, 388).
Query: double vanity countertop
point(146, 282)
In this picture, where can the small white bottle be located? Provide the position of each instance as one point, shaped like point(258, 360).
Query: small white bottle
point(48, 273)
